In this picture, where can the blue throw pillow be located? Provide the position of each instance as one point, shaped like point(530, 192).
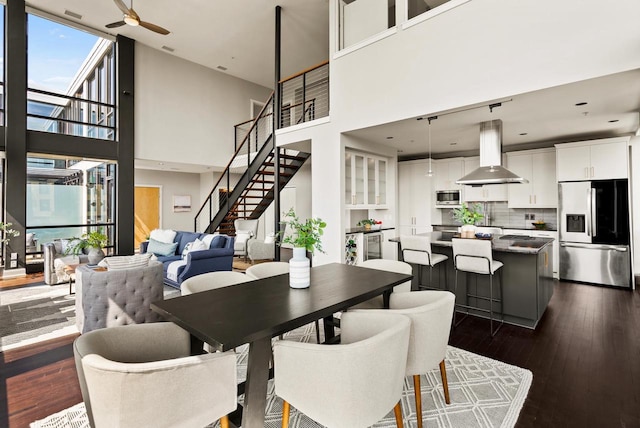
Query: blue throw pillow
point(162, 249)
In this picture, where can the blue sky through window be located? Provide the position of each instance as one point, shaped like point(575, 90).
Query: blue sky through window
point(55, 53)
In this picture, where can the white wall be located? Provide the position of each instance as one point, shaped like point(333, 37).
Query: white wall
point(482, 50)
point(186, 112)
point(173, 183)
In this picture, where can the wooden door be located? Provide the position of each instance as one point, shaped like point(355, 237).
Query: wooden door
point(147, 212)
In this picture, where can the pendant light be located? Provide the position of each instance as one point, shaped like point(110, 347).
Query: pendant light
point(430, 171)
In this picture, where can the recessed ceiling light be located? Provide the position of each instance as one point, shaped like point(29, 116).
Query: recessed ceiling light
point(614, 121)
point(582, 103)
point(168, 49)
point(523, 133)
point(220, 67)
point(389, 138)
point(72, 14)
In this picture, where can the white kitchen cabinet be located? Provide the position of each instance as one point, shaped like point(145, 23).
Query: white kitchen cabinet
point(539, 167)
point(365, 180)
point(542, 234)
point(487, 193)
point(593, 160)
point(414, 197)
point(447, 172)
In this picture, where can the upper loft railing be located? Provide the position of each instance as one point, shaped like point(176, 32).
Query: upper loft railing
point(253, 138)
point(65, 114)
point(304, 96)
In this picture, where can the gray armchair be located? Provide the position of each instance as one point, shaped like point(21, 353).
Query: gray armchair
point(246, 230)
point(55, 261)
point(117, 297)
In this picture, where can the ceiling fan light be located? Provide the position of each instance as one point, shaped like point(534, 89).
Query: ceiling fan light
point(129, 20)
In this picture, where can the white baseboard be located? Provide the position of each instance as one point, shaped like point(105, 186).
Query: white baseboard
point(13, 273)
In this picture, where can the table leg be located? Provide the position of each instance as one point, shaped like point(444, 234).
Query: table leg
point(386, 296)
point(255, 394)
point(329, 330)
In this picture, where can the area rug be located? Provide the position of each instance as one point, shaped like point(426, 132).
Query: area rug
point(484, 393)
point(39, 312)
point(35, 313)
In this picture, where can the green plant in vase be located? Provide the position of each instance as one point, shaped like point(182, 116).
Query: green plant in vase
point(93, 241)
point(306, 236)
point(469, 217)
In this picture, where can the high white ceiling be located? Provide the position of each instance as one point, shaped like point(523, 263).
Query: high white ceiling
point(239, 35)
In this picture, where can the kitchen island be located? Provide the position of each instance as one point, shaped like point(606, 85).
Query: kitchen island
point(527, 276)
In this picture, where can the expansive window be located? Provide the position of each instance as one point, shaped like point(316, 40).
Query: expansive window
point(71, 81)
point(68, 197)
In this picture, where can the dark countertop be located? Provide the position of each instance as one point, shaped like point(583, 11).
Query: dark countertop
point(502, 227)
point(526, 245)
point(363, 230)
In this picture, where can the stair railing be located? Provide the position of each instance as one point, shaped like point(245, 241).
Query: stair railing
point(254, 139)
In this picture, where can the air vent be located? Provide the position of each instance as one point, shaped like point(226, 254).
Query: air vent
point(168, 49)
point(72, 14)
point(221, 68)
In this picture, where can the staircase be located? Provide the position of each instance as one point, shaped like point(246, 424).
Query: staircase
point(258, 194)
point(254, 162)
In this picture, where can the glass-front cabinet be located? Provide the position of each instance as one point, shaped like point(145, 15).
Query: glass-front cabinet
point(365, 180)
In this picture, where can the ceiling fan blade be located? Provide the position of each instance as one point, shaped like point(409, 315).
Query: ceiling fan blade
point(153, 27)
point(123, 7)
point(115, 24)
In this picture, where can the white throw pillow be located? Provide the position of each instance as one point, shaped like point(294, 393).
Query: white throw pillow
point(167, 236)
point(242, 236)
point(196, 245)
point(126, 262)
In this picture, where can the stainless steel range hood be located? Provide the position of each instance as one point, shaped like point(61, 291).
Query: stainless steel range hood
point(491, 170)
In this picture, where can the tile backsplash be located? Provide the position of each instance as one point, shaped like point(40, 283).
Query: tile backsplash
point(515, 218)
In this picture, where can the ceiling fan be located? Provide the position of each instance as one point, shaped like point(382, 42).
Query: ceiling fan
point(131, 18)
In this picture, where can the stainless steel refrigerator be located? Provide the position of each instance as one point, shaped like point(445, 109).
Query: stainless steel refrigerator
point(594, 232)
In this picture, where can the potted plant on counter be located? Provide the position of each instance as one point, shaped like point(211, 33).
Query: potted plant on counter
point(468, 217)
point(305, 236)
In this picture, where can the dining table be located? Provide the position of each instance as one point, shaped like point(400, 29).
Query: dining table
point(254, 312)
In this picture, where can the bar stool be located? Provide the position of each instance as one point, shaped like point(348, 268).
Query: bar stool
point(417, 250)
point(475, 256)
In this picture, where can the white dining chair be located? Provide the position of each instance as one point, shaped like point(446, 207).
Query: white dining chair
point(431, 313)
point(127, 373)
point(267, 269)
point(417, 250)
point(475, 256)
point(211, 281)
point(353, 384)
point(389, 266)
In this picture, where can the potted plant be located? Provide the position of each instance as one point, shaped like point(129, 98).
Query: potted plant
point(6, 233)
point(468, 217)
point(305, 236)
point(94, 241)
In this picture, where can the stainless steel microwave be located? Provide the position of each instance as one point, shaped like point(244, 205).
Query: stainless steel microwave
point(447, 197)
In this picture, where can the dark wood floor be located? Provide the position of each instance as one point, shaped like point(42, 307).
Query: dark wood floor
point(585, 359)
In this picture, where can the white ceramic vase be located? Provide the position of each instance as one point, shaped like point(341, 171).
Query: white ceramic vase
point(468, 231)
point(299, 269)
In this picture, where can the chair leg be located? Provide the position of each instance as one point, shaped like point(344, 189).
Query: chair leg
point(418, 396)
point(317, 331)
point(397, 410)
point(494, 332)
point(445, 384)
point(430, 276)
point(285, 414)
point(455, 290)
point(224, 422)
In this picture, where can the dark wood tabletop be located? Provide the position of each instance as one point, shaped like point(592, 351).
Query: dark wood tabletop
point(231, 316)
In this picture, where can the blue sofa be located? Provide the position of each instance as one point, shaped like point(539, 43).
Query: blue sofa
point(218, 257)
